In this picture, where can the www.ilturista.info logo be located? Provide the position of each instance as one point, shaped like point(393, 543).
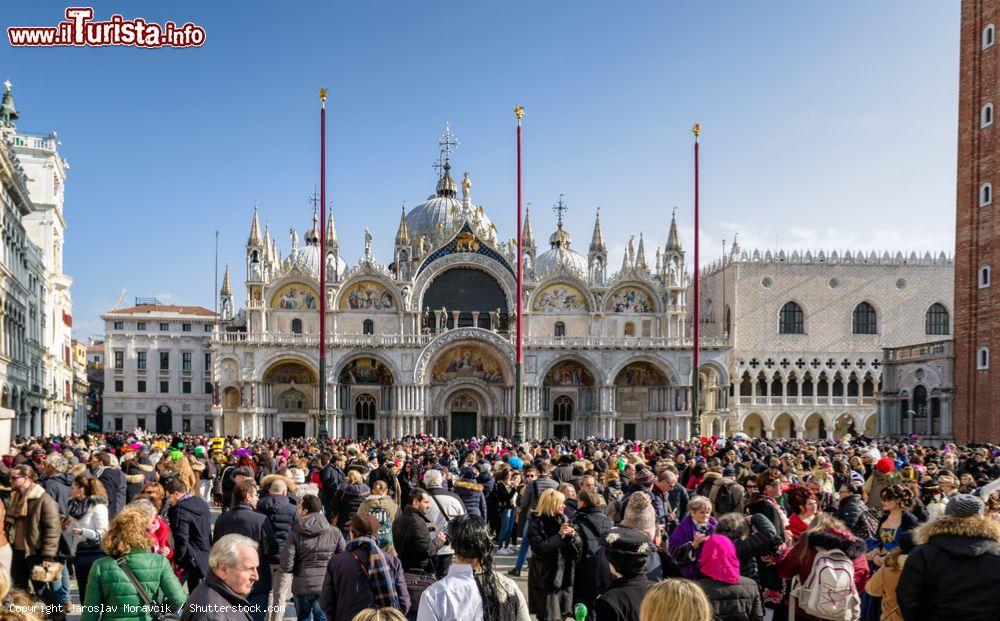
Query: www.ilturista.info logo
point(79, 29)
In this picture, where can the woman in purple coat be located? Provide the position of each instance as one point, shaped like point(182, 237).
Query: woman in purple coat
point(685, 541)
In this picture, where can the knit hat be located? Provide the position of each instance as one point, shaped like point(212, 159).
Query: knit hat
point(964, 506)
point(643, 476)
point(639, 514)
point(718, 560)
point(628, 551)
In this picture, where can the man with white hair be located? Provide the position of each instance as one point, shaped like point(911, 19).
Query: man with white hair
point(233, 564)
point(445, 506)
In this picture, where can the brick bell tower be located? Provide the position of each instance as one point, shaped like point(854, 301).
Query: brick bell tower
point(977, 235)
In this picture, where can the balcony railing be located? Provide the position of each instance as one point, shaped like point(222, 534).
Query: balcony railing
point(620, 342)
point(807, 401)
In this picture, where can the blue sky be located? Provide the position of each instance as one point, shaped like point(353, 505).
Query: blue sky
point(825, 125)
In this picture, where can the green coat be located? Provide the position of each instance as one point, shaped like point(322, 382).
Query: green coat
point(108, 586)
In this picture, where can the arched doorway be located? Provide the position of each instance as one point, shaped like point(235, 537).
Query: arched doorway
point(568, 391)
point(784, 426)
point(815, 428)
point(463, 409)
point(164, 419)
point(365, 410)
point(642, 390)
point(562, 417)
point(291, 392)
point(920, 410)
point(753, 426)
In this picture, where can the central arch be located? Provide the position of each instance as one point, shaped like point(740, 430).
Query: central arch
point(290, 388)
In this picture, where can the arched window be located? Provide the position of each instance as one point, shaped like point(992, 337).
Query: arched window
point(728, 321)
point(985, 194)
point(989, 36)
point(562, 416)
point(791, 320)
point(364, 413)
point(296, 326)
point(937, 320)
point(983, 358)
point(560, 329)
point(629, 329)
point(986, 115)
point(984, 276)
point(368, 327)
point(865, 319)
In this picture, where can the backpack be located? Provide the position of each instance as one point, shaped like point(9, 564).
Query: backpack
point(384, 535)
point(828, 591)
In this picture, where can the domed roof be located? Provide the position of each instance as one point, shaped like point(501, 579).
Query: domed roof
point(560, 256)
point(308, 257)
point(444, 209)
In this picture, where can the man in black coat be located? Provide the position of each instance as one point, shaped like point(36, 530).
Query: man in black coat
point(954, 572)
point(411, 534)
point(592, 524)
point(112, 478)
point(242, 519)
point(331, 476)
point(222, 595)
point(281, 512)
point(191, 526)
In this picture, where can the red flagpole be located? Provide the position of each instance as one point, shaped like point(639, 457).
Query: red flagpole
point(518, 435)
point(323, 433)
point(695, 415)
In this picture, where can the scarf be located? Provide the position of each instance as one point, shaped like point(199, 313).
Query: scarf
point(380, 579)
point(78, 508)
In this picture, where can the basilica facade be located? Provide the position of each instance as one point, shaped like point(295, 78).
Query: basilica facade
point(425, 342)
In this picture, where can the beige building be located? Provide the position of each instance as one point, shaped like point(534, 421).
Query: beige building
point(808, 328)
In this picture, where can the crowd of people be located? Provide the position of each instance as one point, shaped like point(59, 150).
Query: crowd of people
point(736, 529)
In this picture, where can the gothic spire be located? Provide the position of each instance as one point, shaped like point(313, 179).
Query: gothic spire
point(673, 239)
point(528, 236)
point(403, 233)
point(597, 241)
point(312, 237)
point(255, 238)
point(640, 258)
point(227, 288)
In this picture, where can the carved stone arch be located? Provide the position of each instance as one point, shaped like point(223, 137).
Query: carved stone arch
point(487, 397)
point(673, 377)
point(718, 368)
point(274, 287)
point(228, 363)
point(648, 286)
point(284, 356)
point(337, 367)
point(372, 275)
point(504, 349)
point(493, 268)
point(562, 277)
point(592, 367)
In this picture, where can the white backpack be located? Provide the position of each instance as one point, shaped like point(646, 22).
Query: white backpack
point(828, 591)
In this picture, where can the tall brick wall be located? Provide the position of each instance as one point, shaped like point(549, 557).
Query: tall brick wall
point(977, 311)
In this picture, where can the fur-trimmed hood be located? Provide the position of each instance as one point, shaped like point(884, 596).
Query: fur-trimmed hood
point(838, 540)
point(265, 483)
point(974, 536)
point(469, 485)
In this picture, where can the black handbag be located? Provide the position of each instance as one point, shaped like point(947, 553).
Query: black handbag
point(416, 583)
point(157, 611)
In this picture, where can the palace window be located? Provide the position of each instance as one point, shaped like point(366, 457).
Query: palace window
point(164, 327)
point(119, 325)
point(140, 360)
point(141, 326)
point(865, 319)
point(296, 326)
point(560, 329)
point(140, 386)
point(164, 361)
point(791, 319)
point(164, 386)
point(983, 358)
point(562, 416)
point(984, 277)
point(368, 327)
point(986, 115)
point(186, 388)
point(937, 322)
point(119, 385)
point(985, 194)
point(119, 360)
point(364, 407)
point(208, 388)
point(186, 361)
point(185, 327)
point(629, 329)
point(989, 36)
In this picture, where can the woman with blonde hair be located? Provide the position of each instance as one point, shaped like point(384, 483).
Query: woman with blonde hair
point(15, 604)
point(379, 614)
point(88, 519)
point(110, 591)
point(555, 548)
point(675, 599)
